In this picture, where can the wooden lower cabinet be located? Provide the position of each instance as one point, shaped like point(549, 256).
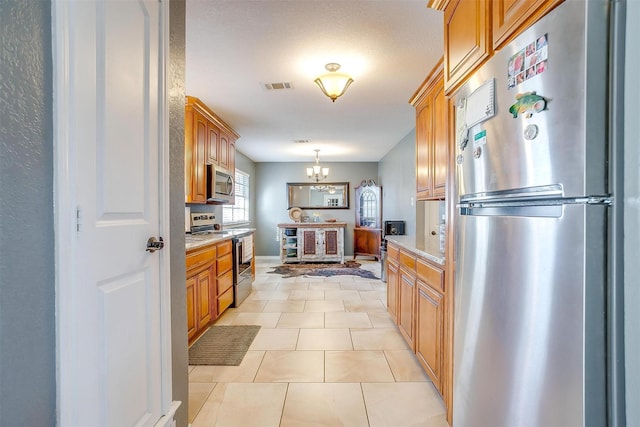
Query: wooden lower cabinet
point(205, 283)
point(192, 322)
point(393, 277)
point(429, 332)
point(366, 242)
point(201, 288)
point(416, 296)
point(406, 306)
point(209, 286)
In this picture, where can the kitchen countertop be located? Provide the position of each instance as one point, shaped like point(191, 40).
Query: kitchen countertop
point(200, 240)
point(419, 246)
point(313, 224)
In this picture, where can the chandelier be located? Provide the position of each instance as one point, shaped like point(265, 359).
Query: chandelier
point(316, 171)
point(333, 84)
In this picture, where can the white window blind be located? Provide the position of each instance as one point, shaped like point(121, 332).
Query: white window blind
point(239, 212)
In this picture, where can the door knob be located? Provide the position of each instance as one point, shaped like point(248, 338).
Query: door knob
point(154, 245)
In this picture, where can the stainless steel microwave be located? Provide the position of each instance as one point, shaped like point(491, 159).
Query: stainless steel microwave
point(220, 186)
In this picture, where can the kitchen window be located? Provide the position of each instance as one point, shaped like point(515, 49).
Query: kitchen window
point(239, 212)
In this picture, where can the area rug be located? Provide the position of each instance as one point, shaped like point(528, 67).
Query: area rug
point(223, 345)
point(349, 268)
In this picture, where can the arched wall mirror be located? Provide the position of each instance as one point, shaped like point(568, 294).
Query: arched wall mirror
point(367, 234)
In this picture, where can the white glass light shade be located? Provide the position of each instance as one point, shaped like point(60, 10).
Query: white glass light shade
point(317, 172)
point(333, 84)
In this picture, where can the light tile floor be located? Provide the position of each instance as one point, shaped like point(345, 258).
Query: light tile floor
point(327, 354)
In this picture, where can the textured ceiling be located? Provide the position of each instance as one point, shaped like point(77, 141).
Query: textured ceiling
point(388, 47)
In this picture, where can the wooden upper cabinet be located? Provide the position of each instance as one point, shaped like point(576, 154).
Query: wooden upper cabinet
point(223, 151)
point(467, 39)
point(423, 151)
point(196, 142)
point(232, 157)
point(431, 136)
point(440, 132)
point(212, 145)
point(511, 17)
point(208, 141)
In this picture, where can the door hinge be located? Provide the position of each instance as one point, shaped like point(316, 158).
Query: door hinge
point(78, 219)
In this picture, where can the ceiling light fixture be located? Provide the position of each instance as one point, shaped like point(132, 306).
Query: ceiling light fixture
point(317, 172)
point(333, 84)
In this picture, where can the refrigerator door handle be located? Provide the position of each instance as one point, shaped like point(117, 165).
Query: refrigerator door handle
point(546, 211)
point(528, 208)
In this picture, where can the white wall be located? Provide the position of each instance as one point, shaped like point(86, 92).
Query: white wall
point(27, 297)
point(398, 180)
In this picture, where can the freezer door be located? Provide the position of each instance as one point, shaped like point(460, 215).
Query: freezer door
point(565, 144)
point(529, 319)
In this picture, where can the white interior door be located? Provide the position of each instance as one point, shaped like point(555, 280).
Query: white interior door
point(113, 305)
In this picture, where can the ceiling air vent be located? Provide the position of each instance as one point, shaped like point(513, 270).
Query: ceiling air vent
point(277, 86)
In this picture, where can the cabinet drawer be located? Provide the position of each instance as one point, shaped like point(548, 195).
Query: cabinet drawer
point(224, 247)
point(393, 252)
point(225, 300)
point(201, 256)
point(430, 275)
point(225, 282)
point(224, 263)
point(407, 261)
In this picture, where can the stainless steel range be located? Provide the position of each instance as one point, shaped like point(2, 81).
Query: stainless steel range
point(203, 223)
point(242, 268)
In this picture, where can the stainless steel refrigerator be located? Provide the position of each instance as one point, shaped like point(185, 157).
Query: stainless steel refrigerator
point(536, 338)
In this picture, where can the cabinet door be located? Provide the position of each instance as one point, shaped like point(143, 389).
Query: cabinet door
point(309, 243)
point(392, 289)
point(330, 242)
point(407, 287)
point(429, 332)
point(204, 298)
point(511, 17)
point(439, 140)
point(232, 158)
point(213, 142)
point(223, 150)
point(199, 169)
point(192, 321)
point(467, 40)
point(366, 241)
point(423, 150)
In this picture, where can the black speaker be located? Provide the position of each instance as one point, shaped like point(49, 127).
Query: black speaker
point(394, 228)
